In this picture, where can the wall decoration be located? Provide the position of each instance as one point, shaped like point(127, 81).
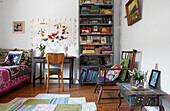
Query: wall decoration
point(132, 11)
point(154, 78)
point(18, 27)
point(54, 33)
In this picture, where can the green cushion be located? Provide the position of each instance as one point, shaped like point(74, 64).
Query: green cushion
point(125, 64)
point(53, 70)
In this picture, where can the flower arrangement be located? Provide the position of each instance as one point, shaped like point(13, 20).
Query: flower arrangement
point(138, 76)
point(42, 47)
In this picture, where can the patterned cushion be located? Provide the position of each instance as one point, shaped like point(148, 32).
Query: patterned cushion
point(26, 58)
point(125, 64)
point(113, 74)
point(53, 70)
point(16, 56)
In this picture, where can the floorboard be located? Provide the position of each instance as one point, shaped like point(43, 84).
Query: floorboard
point(26, 90)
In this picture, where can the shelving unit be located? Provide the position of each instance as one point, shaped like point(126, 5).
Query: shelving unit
point(96, 38)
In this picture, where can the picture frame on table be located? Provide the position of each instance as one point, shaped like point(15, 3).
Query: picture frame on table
point(18, 27)
point(132, 11)
point(154, 77)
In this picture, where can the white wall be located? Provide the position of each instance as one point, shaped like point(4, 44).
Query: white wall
point(151, 36)
point(26, 10)
point(1, 29)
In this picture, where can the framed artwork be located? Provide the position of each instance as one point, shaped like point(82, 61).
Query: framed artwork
point(132, 11)
point(95, 28)
point(18, 27)
point(154, 78)
point(103, 40)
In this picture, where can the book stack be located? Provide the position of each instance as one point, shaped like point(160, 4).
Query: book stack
point(88, 50)
point(106, 50)
point(88, 76)
point(95, 10)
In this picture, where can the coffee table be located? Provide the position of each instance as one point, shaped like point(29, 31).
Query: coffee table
point(151, 97)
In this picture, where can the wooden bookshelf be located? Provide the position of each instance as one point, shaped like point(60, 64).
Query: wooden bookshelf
point(96, 35)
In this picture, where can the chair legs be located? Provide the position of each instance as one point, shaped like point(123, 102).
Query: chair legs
point(47, 89)
point(62, 82)
point(95, 88)
point(58, 81)
point(100, 94)
point(45, 79)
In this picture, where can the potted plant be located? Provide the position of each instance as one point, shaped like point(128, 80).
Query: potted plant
point(137, 76)
point(41, 50)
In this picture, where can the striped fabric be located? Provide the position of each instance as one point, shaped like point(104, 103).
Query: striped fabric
point(20, 107)
point(59, 101)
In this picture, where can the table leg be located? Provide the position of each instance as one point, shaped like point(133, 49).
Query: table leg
point(131, 103)
point(72, 70)
point(71, 73)
point(40, 73)
point(34, 70)
point(119, 99)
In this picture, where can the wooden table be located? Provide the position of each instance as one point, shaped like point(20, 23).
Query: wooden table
point(42, 61)
point(152, 97)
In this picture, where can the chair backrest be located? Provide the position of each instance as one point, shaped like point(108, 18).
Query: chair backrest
point(131, 56)
point(55, 58)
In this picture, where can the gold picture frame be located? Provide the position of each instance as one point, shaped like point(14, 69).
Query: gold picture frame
point(18, 27)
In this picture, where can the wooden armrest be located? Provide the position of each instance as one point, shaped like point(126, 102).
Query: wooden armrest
point(105, 65)
point(116, 69)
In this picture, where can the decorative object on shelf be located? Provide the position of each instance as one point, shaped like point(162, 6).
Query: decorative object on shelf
point(103, 40)
point(132, 11)
point(18, 27)
point(40, 52)
point(137, 76)
point(153, 80)
point(66, 49)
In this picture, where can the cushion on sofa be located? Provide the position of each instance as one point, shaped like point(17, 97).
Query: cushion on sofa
point(16, 56)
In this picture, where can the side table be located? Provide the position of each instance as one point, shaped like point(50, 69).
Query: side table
point(151, 97)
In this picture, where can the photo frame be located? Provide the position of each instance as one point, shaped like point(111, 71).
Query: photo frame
point(18, 27)
point(103, 40)
point(95, 28)
point(154, 78)
point(132, 11)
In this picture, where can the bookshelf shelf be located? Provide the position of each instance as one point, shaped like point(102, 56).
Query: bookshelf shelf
point(95, 15)
point(94, 44)
point(96, 38)
point(106, 25)
point(96, 54)
point(96, 34)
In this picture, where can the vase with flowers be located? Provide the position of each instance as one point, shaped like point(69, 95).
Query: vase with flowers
point(138, 77)
point(40, 52)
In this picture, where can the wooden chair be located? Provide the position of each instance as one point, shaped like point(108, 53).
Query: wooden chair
point(54, 58)
point(103, 81)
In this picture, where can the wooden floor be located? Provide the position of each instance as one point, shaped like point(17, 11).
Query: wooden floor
point(26, 90)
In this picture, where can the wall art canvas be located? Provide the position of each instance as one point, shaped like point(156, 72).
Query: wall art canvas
point(133, 11)
point(18, 27)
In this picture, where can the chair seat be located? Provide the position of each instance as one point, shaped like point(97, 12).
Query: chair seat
point(53, 70)
point(101, 80)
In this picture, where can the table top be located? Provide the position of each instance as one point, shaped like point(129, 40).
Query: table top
point(66, 57)
point(131, 93)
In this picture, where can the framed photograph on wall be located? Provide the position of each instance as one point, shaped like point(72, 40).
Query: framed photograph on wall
point(154, 78)
point(18, 27)
point(132, 11)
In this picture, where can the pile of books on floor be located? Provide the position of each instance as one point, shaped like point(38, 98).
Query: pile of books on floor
point(88, 76)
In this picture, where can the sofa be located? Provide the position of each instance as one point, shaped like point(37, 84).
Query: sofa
point(15, 75)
